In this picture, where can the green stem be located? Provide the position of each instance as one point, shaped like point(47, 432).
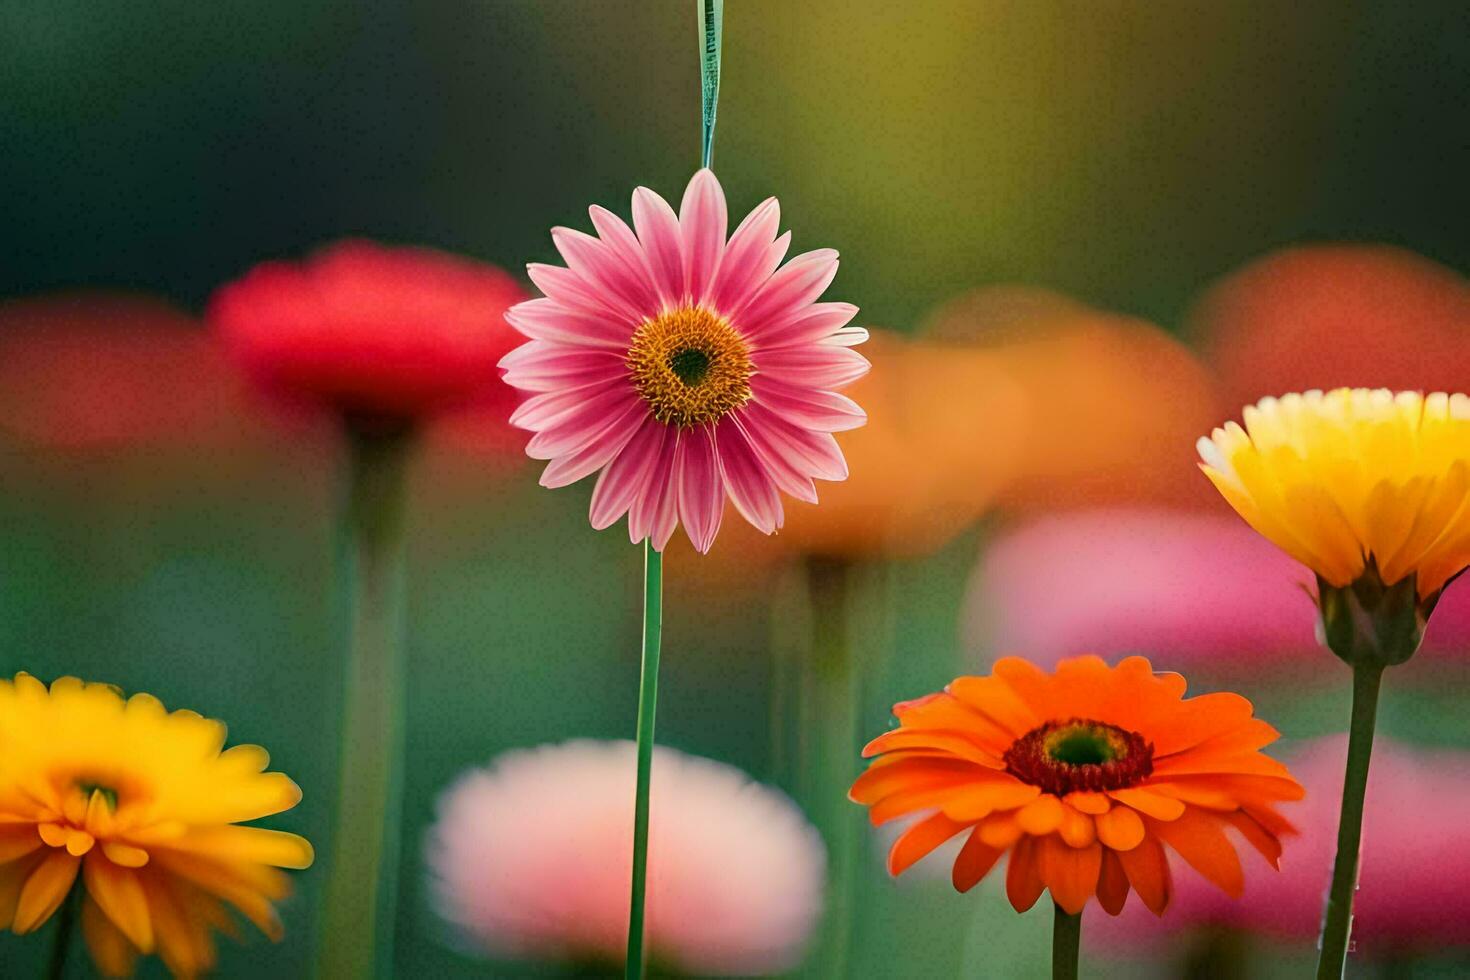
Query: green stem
point(1337, 924)
point(66, 927)
point(653, 625)
point(711, 23)
point(1066, 942)
point(828, 751)
point(361, 893)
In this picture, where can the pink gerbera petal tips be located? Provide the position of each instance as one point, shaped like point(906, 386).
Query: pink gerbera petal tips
point(685, 367)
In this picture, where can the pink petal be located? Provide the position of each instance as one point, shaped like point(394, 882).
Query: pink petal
point(580, 427)
point(804, 325)
point(546, 319)
point(786, 467)
point(745, 478)
point(602, 270)
point(619, 485)
point(595, 455)
point(701, 492)
point(702, 225)
point(849, 337)
point(810, 452)
point(540, 411)
point(796, 284)
point(539, 366)
point(813, 365)
point(654, 515)
point(614, 231)
point(750, 257)
point(658, 232)
point(571, 290)
point(822, 411)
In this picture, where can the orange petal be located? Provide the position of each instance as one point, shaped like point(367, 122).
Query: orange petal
point(945, 711)
point(1194, 762)
point(974, 862)
point(1273, 822)
point(18, 841)
point(1149, 804)
point(1259, 837)
point(1023, 880)
point(1076, 829)
point(1112, 884)
point(955, 743)
point(1249, 737)
point(1148, 872)
point(902, 804)
point(1070, 872)
point(1202, 718)
point(1225, 792)
point(183, 938)
point(1199, 838)
point(997, 700)
point(118, 893)
point(44, 891)
point(920, 839)
point(980, 799)
point(1041, 816)
point(124, 855)
point(1000, 830)
point(110, 949)
point(13, 877)
point(907, 774)
point(1088, 802)
point(1120, 829)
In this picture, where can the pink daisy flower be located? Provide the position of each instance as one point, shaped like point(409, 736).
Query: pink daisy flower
point(530, 859)
point(685, 367)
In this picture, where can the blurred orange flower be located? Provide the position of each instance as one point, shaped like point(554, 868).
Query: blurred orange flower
point(1082, 777)
point(945, 426)
point(1330, 316)
point(1111, 399)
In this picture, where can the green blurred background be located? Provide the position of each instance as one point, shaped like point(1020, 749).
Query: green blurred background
point(1125, 153)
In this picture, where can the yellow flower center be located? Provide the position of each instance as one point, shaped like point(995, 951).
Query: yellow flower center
point(690, 366)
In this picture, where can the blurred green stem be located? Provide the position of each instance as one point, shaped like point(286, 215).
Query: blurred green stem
point(361, 898)
point(653, 625)
point(1066, 943)
point(66, 927)
point(828, 750)
point(1337, 924)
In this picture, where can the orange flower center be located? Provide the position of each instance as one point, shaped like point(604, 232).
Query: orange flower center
point(1080, 754)
point(690, 366)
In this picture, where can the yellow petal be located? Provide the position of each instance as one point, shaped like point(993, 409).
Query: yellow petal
point(119, 894)
point(44, 891)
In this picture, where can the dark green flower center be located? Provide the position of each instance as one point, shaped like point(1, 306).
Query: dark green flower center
point(689, 365)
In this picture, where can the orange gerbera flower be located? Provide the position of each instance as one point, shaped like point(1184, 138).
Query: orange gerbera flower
point(1083, 776)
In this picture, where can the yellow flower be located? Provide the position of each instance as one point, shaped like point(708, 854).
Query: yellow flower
point(1352, 480)
point(1369, 489)
point(144, 805)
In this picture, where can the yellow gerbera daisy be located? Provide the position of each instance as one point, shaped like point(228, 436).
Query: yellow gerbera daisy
point(1367, 488)
point(144, 805)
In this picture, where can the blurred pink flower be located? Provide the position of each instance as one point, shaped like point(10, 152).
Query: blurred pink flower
point(531, 858)
point(1181, 587)
point(1178, 586)
point(1415, 860)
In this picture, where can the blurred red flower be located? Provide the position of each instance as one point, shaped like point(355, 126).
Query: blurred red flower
point(98, 370)
point(1328, 316)
point(385, 336)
